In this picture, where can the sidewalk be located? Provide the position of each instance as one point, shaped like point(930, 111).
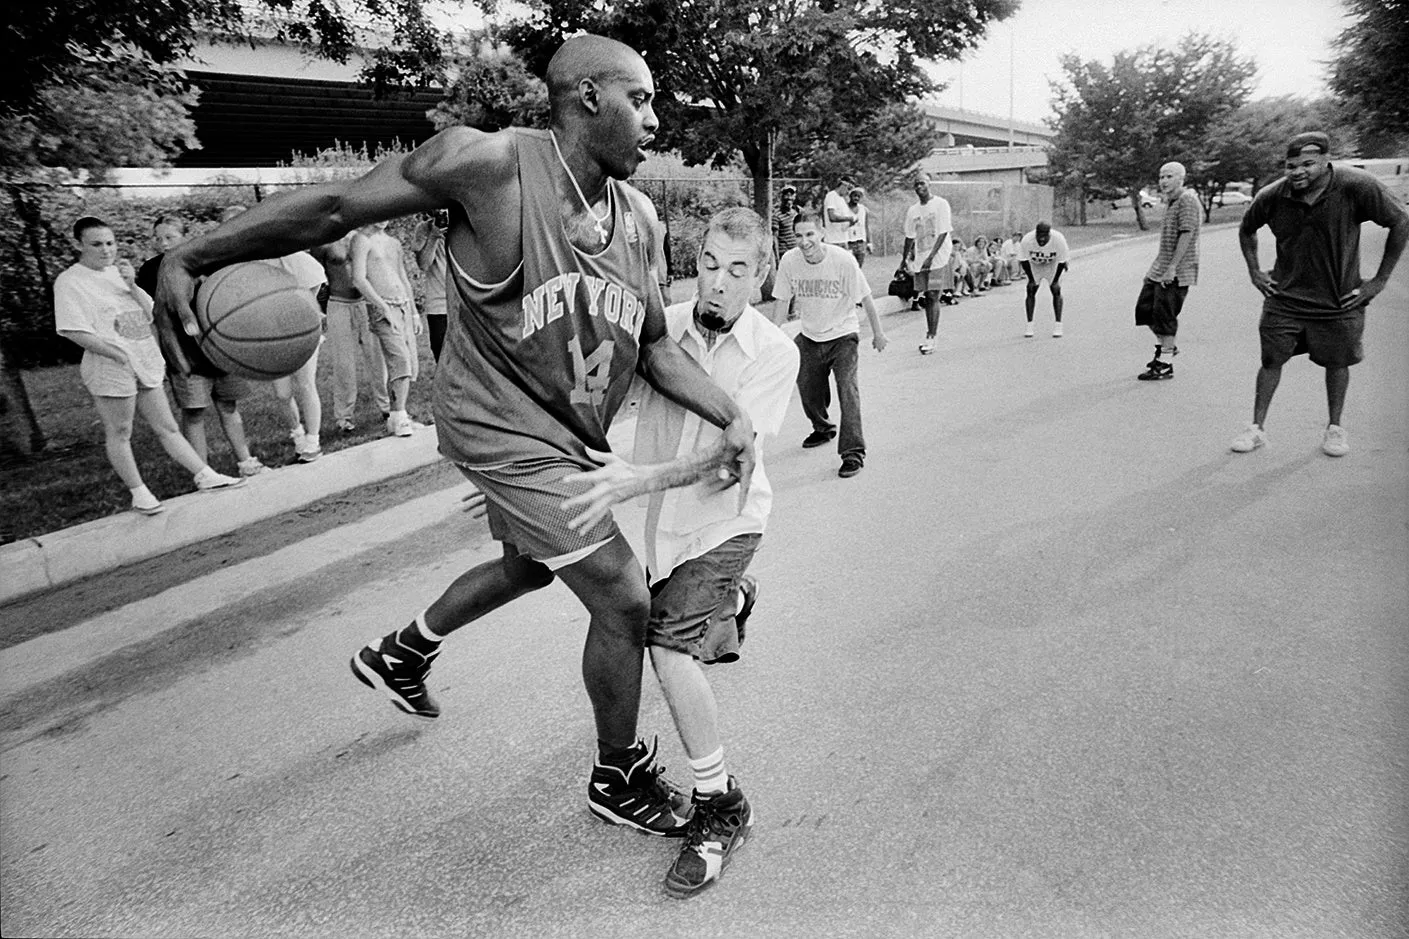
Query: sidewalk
point(52, 560)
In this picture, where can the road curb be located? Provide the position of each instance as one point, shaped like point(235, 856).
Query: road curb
point(52, 560)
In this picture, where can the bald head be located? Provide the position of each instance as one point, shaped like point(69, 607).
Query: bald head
point(1171, 181)
point(593, 58)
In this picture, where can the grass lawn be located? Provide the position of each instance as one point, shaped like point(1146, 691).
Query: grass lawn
point(71, 481)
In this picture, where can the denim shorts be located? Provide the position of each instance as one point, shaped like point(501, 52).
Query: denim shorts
point(692, 610)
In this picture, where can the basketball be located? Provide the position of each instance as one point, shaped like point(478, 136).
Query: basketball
point(256, 321)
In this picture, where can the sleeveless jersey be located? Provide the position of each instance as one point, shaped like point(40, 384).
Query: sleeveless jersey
point(538, 365)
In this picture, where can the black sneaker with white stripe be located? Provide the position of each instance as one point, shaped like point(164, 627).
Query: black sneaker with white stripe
point(719, 826)
point(398, 672)
point(638, 797)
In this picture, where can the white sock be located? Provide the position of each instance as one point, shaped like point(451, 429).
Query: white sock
point(425, 630)
point(397, 416)
point(297, 433)
point(142, 492)
point(310, 442)
point(709, 773)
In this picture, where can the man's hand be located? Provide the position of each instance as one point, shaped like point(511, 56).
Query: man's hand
point(1264, 283)
point(879, 342)
point(1367, 291)
point(418, 324)
point(473, 504)
point(616, 481)
point(175, 318)
point(127, 273)
point(1166, 278)
point(739, 457)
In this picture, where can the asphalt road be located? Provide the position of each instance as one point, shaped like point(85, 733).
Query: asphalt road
point(1056, 663)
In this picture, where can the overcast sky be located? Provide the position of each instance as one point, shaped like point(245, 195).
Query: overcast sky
point(1289, 40)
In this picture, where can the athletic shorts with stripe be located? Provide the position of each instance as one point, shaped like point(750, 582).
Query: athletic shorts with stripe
point(523, 503)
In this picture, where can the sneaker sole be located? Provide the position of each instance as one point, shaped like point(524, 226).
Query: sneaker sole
point(154, 510)
point(369, 677)
point(607, 817)
point(679, 891)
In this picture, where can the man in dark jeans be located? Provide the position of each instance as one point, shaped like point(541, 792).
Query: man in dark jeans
point(823, 285)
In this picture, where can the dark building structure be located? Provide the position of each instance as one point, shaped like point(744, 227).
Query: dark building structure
point(254, 120)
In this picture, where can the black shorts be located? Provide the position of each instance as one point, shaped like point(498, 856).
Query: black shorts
point(1159, 306)
point(1331, 343)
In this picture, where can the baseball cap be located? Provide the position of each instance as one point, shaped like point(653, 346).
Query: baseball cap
point(1312, 138)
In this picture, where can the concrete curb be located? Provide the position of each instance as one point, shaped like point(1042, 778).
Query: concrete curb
point(62, 557)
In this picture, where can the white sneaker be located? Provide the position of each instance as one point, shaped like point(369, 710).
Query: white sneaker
point(251, 467)
point(208, 480)
point(400, 426)
point(147, 504)
point(1029, 333)
point(927, 347)
point(1057, 331)
point(1249, 440)
point(1335, 443)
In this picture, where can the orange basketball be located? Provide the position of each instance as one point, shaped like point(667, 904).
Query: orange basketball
point(256, 321)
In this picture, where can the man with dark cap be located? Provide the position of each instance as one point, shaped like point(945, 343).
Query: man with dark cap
point(1314, 298)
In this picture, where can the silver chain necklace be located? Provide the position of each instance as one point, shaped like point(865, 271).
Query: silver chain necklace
point(596, 222)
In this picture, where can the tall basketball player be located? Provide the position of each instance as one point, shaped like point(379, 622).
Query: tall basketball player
point(551, 255)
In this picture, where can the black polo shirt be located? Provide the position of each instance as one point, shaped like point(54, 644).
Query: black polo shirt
point(1318, 244)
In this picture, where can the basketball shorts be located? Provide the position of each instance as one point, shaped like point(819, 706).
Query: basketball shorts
point(199, 391)
point(935, 280)
point(1041, 272)
point(692, 610)
point(1159, 305)
point(391, 336)
point(1330, 343)
point(523, 505)
point(105, 378)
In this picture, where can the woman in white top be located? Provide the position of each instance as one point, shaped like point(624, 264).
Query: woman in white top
point(99, 306)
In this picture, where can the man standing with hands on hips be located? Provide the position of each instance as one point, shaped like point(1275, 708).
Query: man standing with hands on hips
point(1314, 300)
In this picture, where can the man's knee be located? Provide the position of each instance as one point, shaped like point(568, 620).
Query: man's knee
point(1056, 290)
point(1031, 289)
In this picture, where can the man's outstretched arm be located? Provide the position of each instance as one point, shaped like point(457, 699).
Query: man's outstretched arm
point(289, 222)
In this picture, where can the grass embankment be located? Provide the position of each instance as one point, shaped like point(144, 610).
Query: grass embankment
point(71, 481)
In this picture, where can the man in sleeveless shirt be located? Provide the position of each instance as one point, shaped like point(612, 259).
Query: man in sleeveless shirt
point(557, 309)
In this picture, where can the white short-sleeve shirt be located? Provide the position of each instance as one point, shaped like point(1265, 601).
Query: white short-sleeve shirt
point(827, 292)
point(924, 222)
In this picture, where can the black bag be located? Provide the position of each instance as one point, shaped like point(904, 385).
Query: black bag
point(901, 285)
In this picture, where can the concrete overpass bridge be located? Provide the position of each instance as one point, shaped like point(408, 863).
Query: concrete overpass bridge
point(978, 146)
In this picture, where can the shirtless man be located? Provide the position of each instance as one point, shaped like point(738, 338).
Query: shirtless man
point(379, 272)
point(550, 256)
point(349, 335)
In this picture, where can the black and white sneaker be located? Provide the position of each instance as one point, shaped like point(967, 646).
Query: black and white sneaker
point(398, 672)
point(640, 797)
point(719, 826)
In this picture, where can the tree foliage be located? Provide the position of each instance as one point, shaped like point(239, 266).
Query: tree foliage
point(56, 41)
point(1246, 145)
point(767, 78)
point(1117, 123)
point(490, 88)
point(1371, 74)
